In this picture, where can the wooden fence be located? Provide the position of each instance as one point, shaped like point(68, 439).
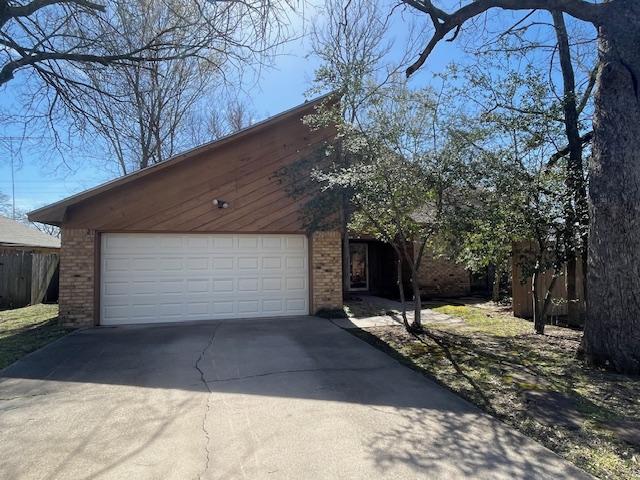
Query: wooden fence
point(27, 277)
point(522, 288)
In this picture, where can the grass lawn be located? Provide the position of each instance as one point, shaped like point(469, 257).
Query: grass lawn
point(533, 382)
point(23, 330)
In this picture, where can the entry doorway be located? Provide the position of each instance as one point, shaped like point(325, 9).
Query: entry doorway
point(358, 266)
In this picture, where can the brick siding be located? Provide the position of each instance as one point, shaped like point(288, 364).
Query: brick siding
point(77, 263)
point(440, 277)
point(326, 270)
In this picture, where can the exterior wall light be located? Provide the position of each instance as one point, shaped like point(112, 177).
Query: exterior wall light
point(220, 203)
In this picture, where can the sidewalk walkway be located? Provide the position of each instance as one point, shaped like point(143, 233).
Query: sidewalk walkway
point(371, 311)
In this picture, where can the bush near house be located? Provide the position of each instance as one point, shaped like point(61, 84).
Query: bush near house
point(534, 382)
point(23, 330)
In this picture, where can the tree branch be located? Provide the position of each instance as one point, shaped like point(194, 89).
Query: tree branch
point(589, 90)
point(9, 12)
point(443, 22)
point(586, 138)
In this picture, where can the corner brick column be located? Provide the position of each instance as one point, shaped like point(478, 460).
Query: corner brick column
point(77, 265)
point(326, 271)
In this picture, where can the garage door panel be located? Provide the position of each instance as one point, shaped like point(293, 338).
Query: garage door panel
point(197, 264)
point(198, 242)
point(248, 307)
point(248, 242)
point(294, 243)
point(116, 264)
point(147, 278)
point(248, 263)
point(224, 286)
point(198, 285)
point(223, 242)
point(295, 262)
point(222, 264)
point(272, 284)
point(168, 287)
point(295, 305)
point(296, 283)
point(272, 243)
point(271, 263)
point(247, 285)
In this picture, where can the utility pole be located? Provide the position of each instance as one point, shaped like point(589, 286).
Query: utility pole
point(13, 182)
point(13, 173)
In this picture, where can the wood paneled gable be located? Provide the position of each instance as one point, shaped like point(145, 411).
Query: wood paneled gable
point(179, 198)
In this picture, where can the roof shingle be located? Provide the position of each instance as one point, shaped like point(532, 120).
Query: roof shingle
point(15, 234)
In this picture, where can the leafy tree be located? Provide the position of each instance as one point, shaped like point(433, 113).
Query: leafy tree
point(356, 65)
point(401, 181)
point(527, 42)
point(513, 194)
point(612, 330)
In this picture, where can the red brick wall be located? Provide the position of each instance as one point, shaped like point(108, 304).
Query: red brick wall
point(440, 277)
point(326, 271)
point(77, 265)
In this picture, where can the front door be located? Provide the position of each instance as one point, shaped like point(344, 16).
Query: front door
point(358, 267)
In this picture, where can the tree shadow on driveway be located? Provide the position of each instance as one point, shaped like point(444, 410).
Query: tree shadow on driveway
point(299, 397)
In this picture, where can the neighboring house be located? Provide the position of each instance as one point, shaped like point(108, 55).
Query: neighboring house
point(211, 233)
point(28, 265)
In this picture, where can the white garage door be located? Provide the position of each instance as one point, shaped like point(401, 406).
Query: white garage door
point(148, 278)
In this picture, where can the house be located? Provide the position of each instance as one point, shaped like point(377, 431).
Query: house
point(28, 265)
point(211, 233)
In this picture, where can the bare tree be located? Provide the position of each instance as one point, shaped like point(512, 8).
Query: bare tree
point(226, 115)
point(572, 46)
point(612, 331)
point(6, 206)
point(52, 43)
point(7, 210)
point(142, 110)
point(44, 228)
point(229, 116)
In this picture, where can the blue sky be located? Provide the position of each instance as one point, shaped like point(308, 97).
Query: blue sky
point(39, 182)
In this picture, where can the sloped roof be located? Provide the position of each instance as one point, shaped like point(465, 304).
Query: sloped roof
point(15, 234)
point(54, 213)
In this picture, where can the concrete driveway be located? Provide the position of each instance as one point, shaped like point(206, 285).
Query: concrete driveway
point(295, 398)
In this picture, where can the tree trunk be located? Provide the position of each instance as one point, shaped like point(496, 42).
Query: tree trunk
point(547, 298)
point(576, 192)
point(403, 301)
point(573, 303)
point(612, 330)
point(496, 284)
point(538, 317)
point(344, 225)
point(417, 301)
point(346, 256)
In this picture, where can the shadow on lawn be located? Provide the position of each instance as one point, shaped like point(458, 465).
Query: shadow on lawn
point(487, 367)
point(21, 341)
